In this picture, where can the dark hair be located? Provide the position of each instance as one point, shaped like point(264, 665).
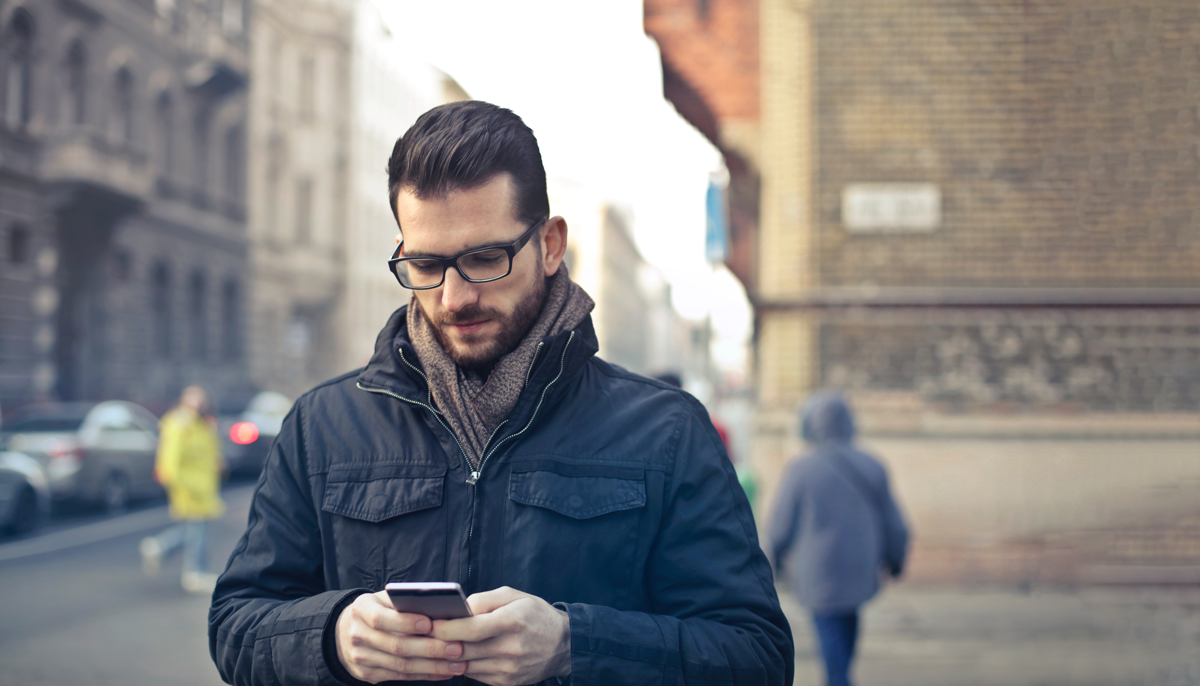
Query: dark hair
point(464, 145)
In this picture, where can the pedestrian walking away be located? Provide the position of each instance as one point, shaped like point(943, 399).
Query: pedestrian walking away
point(835, 529)
point(592, 515)
point(189, 466)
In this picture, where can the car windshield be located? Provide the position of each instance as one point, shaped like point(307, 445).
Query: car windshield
point(44, 425)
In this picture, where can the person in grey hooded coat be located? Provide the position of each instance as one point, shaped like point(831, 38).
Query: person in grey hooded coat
point(835, 529)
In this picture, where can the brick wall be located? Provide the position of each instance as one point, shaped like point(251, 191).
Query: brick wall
point(1063, 135)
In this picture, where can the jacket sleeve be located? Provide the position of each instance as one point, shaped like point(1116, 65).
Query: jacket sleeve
point(895, 533)
point(270, 607)
point(714, 617)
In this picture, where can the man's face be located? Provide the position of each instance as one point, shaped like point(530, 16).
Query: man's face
point(476, 323)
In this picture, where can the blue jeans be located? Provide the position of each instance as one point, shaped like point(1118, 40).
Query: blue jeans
point(837, 634)
point(193, 537)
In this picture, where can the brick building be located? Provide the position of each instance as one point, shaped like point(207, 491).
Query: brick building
point(980, 219)
point(121, 206)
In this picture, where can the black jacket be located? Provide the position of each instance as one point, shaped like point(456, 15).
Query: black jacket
point(606, 492)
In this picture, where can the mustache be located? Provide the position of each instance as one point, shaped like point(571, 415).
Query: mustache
point(470, 314)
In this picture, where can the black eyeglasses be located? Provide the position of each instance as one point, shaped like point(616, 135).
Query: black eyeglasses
point(477, 266)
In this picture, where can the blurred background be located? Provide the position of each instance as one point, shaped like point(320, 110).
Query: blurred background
point(980, 219)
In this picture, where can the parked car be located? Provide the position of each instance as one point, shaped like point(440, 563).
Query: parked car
point(98, 452)
point(24, 492)
point(248, 425)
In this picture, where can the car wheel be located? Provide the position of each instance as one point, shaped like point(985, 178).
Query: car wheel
point(28, 515)
point(114, 494)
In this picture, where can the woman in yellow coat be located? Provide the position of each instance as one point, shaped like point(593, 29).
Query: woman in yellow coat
point(189, 466)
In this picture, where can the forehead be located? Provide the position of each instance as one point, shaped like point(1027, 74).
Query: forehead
point(460, 220)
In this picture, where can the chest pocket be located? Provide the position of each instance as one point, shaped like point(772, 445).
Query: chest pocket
point(572, 530)
point(385, 523)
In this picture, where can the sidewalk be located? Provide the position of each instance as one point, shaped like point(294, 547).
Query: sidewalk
point(1004, 637)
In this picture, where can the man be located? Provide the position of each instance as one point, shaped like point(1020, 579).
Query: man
point(591, 513)
point(835, 528)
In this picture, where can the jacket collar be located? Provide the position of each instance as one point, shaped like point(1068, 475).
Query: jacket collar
point(395, 368)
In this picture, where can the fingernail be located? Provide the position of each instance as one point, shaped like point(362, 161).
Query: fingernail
point(423, 626)
point(453, 650)
point(458, 667)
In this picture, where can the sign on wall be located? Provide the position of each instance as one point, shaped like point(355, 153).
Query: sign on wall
point(891, 207)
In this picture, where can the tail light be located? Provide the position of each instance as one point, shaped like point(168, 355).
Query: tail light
point(243, 433)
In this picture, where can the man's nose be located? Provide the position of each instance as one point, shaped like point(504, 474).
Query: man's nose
point(457, 292)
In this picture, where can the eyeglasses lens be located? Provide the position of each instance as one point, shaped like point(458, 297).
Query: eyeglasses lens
point(478, 266)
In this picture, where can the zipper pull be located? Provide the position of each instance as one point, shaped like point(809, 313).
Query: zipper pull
point(473, 478)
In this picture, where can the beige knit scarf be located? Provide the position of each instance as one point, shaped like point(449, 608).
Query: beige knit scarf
point(473, 405)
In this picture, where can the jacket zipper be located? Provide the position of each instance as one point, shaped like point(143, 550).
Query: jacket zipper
point(473, 479)
point(475, 475)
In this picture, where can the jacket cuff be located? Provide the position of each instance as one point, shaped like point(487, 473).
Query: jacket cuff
point(329, 640)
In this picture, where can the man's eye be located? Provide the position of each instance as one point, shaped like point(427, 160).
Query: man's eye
point(424, 266)
point(490, 257)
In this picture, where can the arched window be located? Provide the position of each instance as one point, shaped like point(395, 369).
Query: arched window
point(164, 115)
point(160, 309)
point(198, 315)
point(75, 91)
point(18, 82)
point(122, 127)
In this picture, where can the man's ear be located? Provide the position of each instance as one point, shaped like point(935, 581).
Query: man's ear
point(553, 244)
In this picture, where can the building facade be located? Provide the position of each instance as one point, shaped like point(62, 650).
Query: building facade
point(979, 219)
point(122, 207)
point(298, 169)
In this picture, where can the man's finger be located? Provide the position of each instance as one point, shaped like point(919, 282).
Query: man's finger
point(471, 629)
point(490, 601)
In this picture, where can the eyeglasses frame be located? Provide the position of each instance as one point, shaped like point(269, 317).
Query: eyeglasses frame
point(511, 248)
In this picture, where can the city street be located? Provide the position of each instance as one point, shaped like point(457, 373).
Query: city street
point(77, 609)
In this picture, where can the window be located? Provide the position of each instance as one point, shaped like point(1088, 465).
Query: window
point(19, 77)
point(197, 314)
point(122, 265)
point(304, 193)
point(18, 245)
point(307, 92)
point(200, 154)
point(231, 347)
point(231, 17)
point(122, 123)
point(160, 309)
point(164, 114)
point(76, 85)
point(233, 163)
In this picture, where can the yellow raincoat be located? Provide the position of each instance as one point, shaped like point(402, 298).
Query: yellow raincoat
point(189, 465)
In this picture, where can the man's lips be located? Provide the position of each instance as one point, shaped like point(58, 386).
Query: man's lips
point(468, 328)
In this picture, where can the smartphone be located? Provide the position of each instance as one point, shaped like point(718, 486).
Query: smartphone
point(434, 599)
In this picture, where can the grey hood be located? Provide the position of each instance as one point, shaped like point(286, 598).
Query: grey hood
point(826, 417)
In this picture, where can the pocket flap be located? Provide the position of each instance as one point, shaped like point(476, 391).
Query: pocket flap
point(578, 497)
point(374, 500)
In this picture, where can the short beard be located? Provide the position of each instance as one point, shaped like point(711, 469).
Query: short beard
point(483, 358)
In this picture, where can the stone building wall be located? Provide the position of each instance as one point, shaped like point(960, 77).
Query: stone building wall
point(121, 169)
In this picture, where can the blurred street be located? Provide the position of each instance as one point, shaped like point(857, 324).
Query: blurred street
point(77, 608)
point(947, 636)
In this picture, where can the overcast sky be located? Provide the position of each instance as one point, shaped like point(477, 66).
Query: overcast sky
point(588, 81)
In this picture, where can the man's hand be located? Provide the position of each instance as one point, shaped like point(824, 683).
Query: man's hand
point(514, 638)
point(376, 643)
